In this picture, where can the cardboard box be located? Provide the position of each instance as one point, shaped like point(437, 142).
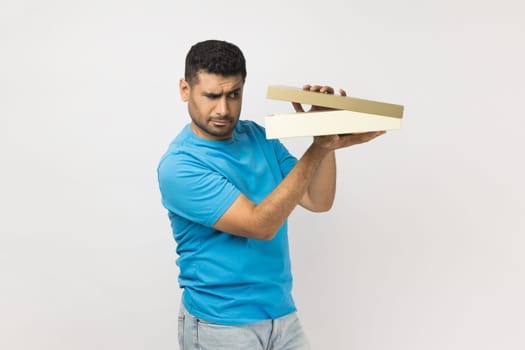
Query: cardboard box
point(349, 115)
point(326, 123)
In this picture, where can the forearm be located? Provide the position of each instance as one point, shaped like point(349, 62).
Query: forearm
point(261, 221)
point(278, 205)
point(321, 192)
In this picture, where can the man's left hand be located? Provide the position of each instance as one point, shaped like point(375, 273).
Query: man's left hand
point(317, 88)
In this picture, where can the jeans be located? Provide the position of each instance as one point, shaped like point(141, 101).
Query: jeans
point(284, 333)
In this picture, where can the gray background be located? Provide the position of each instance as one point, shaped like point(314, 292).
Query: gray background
point(424, 247)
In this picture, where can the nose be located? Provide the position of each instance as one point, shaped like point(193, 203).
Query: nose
point(221, 109)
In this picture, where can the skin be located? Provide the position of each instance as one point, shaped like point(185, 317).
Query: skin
point(214, 104)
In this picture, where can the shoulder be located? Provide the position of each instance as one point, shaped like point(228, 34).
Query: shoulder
point(180, 150)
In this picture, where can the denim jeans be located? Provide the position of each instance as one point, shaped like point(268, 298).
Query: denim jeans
point(284, 333)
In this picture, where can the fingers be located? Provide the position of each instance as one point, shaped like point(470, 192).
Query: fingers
point(324, 89)
point(354, 139)
point(297, 107)
point(333, 142)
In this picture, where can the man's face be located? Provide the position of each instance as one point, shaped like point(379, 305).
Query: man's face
point(214, 104)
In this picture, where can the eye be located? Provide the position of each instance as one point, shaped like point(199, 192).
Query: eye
point(233, 94)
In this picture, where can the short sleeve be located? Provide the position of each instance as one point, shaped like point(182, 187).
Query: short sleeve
point(285, 159)
point(193, 190)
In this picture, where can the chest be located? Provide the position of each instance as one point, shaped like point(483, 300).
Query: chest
point(255, 171)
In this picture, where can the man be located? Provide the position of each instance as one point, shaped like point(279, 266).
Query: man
point(229, 192)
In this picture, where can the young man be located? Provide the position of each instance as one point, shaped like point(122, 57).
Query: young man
point(229, 192)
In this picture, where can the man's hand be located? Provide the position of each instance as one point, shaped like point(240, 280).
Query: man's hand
point(311, 183)
point(333, 142)
point(317, 88)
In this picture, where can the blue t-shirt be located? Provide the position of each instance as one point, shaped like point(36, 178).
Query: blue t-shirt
point(227, 279)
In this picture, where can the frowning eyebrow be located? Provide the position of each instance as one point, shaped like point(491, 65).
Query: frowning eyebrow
point(218, 95)
point(211, 95)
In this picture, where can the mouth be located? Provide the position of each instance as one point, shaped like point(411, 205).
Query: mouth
point(221, 122)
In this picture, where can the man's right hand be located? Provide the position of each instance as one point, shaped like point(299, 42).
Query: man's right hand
point(333, 142)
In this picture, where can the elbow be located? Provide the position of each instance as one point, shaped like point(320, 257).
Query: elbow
point(318, 203)
point(325, 209)
point(327, 206)
point(266, 234)
point(264, 230)
point(322, 207)
point(266, 237)
point(252, 231)
point(266, 225)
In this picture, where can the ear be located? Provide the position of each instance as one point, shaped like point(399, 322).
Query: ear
point(184, 89)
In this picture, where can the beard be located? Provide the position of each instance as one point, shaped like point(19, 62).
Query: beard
point(222, 131)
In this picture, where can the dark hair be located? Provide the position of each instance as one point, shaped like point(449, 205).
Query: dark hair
point(216, 57)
